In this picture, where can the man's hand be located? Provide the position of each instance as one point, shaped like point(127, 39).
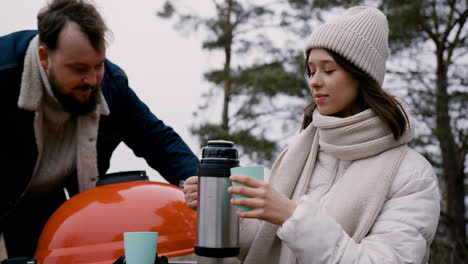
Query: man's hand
point(191, 192)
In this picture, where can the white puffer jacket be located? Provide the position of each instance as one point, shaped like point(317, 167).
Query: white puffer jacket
point(402, 233)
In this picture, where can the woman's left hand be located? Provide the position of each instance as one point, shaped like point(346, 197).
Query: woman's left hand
point(267, 203)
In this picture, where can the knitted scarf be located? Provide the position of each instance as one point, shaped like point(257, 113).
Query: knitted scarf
point(362, 138)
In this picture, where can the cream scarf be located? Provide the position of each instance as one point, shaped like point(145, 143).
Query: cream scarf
point(362, 138)
point(35, 89)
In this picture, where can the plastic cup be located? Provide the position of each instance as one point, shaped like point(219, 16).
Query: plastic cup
point(140, 247)
point(255, 172)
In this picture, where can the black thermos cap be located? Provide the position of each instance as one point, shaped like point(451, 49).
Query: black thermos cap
point(217, 159)
point(219, 149)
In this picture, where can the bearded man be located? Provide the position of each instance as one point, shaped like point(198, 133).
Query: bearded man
point(65, 109)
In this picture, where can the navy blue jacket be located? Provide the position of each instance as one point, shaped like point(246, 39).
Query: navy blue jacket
point(130, 121)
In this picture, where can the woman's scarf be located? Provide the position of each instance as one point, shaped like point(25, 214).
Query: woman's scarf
point(357, 198)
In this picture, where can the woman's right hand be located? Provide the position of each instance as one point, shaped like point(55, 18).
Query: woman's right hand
point(191, 192)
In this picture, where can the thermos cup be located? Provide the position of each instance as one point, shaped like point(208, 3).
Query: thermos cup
point(217, 221)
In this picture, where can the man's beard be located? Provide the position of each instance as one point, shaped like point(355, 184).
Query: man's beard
point(69, 102)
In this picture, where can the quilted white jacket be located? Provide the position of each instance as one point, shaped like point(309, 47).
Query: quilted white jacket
point(402, 233)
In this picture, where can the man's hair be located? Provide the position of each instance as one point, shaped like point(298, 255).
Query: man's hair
point(52, 19)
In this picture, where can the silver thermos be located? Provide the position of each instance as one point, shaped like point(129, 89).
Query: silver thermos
point(217, 221)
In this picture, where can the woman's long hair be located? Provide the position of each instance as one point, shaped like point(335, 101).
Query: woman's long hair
point(371, 95)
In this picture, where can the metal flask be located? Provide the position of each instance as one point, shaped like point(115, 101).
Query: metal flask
point(217, 221)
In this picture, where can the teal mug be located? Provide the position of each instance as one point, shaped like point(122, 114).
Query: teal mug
point(140, 247)
point(251, 171)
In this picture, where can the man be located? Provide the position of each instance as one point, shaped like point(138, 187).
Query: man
point(65, 108)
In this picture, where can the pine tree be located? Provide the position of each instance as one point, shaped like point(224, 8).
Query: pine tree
point(256, 91)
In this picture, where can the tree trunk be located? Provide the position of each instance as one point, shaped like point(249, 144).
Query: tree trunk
point(453, 175)
point(227, 69)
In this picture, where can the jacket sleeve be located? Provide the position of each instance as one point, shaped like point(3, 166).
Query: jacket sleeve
point(148, 137)
point(401, 234)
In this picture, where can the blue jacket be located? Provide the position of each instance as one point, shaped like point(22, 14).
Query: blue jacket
point(130, 121)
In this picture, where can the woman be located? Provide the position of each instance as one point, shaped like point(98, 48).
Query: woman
point(347, 189)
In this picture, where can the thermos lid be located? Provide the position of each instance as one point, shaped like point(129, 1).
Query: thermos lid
point(220, 143)
point(220, 149)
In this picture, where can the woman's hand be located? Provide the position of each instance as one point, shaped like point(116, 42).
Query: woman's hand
point(191, 192)
point(267, 203)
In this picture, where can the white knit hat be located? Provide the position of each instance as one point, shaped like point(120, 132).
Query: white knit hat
point(360, 36)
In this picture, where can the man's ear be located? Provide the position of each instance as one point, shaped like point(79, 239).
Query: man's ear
point(43, 57)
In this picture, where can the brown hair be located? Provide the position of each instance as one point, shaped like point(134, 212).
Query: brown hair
point(52, 19)
point(371, 95)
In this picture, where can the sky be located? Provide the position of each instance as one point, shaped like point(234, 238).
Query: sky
point(164, 67)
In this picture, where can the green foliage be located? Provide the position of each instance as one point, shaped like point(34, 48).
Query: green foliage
point(222, 34)
point(405, 31)
point(327, 4)
point(167, 10)
point(260, 10)
point(440, 252)
point(209, 131)
point(257, 87)
point(299, 3)
point(250, 89)
point(268, 80)
point(217, 76)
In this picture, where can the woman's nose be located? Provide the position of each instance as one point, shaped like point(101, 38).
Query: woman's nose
point(315, 80)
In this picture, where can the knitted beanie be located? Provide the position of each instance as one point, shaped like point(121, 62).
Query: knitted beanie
point(360, 36)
